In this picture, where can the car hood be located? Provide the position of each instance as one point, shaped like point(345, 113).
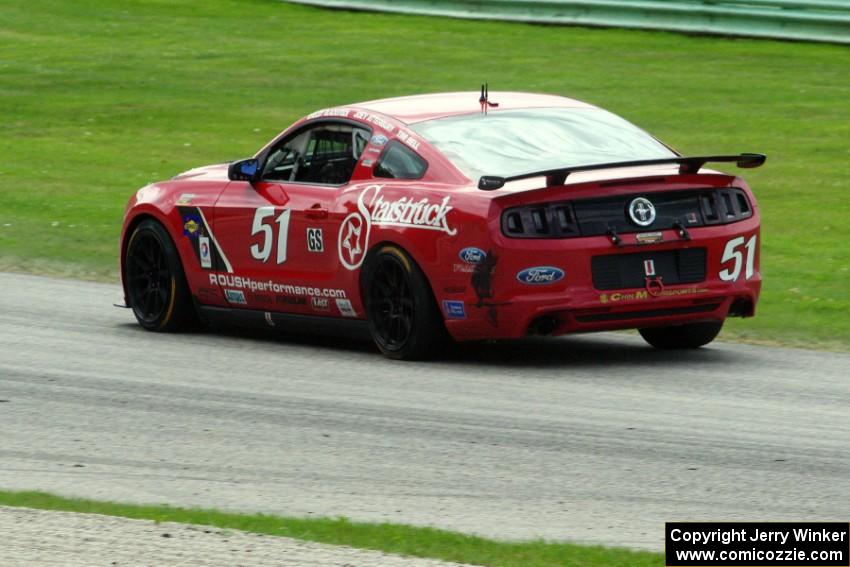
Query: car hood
point(215, 172)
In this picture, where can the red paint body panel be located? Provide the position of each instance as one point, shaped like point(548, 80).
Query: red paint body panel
point(265, 257)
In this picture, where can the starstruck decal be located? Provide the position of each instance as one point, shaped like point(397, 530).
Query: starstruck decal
point(373, 209)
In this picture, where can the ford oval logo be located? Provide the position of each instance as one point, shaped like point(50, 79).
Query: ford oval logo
point(472, 255)
point(540, 275)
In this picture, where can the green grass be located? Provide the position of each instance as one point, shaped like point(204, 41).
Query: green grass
point(98, 98)
point(392, 538)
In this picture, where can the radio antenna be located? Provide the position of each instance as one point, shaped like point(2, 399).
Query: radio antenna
point(484, 100)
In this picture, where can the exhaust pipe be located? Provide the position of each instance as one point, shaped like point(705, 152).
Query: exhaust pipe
point(543, 325)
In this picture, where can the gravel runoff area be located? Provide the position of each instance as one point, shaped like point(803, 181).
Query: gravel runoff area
point(45, 537)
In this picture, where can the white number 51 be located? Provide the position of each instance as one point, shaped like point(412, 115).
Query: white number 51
point(263, 252)
point(734, 253)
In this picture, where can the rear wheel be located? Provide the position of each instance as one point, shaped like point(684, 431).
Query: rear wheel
point(156, 284)
point(692, 335)
point(403, 316)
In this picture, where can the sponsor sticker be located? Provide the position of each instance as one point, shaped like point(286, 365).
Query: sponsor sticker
point(191, 225)
point(472, 255)
point(208, 292)
point(345, 307)
point(649, 267)
point(263, 298)
point(454, 309)
point(367, 162)
point(235, 296)
point(204, 248)
point(540, 275)
point(644, 294)
point(464, 268)
point(374, 210)
point(321, 303)
point(378, 140)
point(242, 282)
point(315, 242)
point(351, 241)
point(185, 199)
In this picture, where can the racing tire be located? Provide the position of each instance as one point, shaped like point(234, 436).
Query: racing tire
point(156, 284)
point(403, 317)
point(692, 335)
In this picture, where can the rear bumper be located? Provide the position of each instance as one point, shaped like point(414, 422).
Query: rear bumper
point(573, 304)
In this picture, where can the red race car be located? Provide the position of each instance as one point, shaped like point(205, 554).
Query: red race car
point(459, 215)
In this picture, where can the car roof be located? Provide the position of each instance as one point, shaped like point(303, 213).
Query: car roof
point(418, 108)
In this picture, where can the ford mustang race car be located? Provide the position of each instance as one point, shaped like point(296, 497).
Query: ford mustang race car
point(457, 215)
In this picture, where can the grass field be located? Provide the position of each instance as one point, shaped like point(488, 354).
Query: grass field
point(392, 538)
point(100, 97)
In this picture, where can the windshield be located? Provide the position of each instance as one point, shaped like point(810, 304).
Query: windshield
point(513, 142)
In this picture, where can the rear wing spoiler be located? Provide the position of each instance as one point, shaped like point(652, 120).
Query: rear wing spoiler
point(686, 165)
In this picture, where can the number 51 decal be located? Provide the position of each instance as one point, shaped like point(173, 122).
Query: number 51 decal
point(263, 252)
point(733, 252)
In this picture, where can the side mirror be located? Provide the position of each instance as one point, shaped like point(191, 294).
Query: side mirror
point(244, 170)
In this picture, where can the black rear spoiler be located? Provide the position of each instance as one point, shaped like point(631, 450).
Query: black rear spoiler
point(686, 165)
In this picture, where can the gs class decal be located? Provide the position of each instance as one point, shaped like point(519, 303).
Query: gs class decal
point(315, 241)
point(374, 210)
point(741, 253)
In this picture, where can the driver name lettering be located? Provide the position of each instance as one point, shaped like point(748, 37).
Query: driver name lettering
point(372, 119)
point(330, 113)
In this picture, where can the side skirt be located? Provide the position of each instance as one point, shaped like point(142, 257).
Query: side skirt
point(287, 322)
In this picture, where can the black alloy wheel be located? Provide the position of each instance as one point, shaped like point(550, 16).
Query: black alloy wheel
point(402, 313)
point(156, 284)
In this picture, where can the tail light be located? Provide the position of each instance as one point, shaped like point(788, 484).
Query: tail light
point(724, 206)
point(549, 220)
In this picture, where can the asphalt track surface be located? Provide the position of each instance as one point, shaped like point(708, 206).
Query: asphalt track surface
point(596, 438)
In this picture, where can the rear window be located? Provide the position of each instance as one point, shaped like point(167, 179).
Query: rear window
point(513, 142)
point(399, 162)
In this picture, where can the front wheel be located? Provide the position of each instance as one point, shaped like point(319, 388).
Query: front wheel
point(156, 284)
point(403, 316)
point(692, 335)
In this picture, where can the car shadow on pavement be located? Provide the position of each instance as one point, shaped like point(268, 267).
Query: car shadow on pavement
point(590, 350)
point(586, 350)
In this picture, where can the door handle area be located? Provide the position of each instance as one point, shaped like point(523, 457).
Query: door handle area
point(317, 211)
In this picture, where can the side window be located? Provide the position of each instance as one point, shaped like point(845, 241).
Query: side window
point(325, 154)
point(284, 160)
point(399, 162)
